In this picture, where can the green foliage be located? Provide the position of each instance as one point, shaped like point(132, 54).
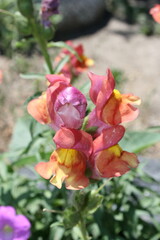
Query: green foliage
point(137, 141)
point(119, 77)
point(134, 12)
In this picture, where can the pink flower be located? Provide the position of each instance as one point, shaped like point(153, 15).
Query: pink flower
point(108, 159)
point(112, 107)
point(61, 106)
point(74, 67)
point(155, 12)
point(1, 76)
point(69, 161)
point(12, 226)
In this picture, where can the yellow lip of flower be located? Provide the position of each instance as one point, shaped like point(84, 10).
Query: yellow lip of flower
point(116, 150)
point(68, 157)
point(117, 94)
point(89, 62)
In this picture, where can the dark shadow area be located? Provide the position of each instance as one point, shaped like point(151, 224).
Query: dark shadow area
point(124, 33)
point(83, 30)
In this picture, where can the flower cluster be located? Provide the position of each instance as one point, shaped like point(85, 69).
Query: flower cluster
point(74, 66)
point(12, 226)
point(79, 150)
point(155, 12)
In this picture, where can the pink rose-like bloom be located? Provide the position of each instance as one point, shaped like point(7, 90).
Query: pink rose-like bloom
point(74, 67)
point(48, 8)
point(155, 12)
point(60, 106)
point(69, 161)
point(108, 159)
point(112, 107)
point(12, 226)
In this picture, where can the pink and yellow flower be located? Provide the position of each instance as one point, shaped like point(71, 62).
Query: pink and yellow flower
point(112, 107)
point(60, 106)
point(68, 162)
point(108, 159)
point(74, 67)
point(155, 12)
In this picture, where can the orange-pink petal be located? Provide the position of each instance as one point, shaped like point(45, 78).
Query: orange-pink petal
point(119, 108)
point(37, 108)
point(155, 12)
point(114, 162)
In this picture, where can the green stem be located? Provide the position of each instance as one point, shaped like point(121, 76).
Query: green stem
point(82, 228)
point(103, 185)
point(42, 42)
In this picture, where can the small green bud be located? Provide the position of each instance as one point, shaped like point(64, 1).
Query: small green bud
point(48, 33)
point(26, 8)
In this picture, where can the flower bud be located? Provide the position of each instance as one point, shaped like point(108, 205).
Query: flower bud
point(26, 8)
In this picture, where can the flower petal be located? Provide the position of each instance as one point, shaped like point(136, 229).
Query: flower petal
point(108, 138)
point(101, 88)
point(45, 169)
point(113, 162)
point(37, 108)
point(118, 108)
point(75, 139)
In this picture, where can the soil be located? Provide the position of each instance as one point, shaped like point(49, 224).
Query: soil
point(116, 46)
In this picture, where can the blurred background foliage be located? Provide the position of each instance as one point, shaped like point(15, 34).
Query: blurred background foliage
point(16, 35)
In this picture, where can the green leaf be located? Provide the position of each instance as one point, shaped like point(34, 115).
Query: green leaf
point(29, 137)
point(61, 64)
point(71, 217)
point(24, 161)
point(93, 202)
point(137, 141)
point(156, 237)
point(34, 76)
point(64, 45)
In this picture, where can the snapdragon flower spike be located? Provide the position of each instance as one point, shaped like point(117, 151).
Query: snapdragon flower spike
point(48, 8)
point(12, 226)
point(61, 106)
point(108, 159)
point(112, 107)
point(69, 161)
point(155, 12)
point(74, 67)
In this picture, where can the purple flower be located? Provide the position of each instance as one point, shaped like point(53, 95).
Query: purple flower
point(48, 8)
point(12, 226)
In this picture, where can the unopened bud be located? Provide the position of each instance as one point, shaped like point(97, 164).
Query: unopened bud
point(26, 8)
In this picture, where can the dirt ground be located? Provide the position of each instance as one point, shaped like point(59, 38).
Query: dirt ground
point(116, 46)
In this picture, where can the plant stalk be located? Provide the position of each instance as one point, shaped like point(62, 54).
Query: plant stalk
point(42, 43)
point(83, 230)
